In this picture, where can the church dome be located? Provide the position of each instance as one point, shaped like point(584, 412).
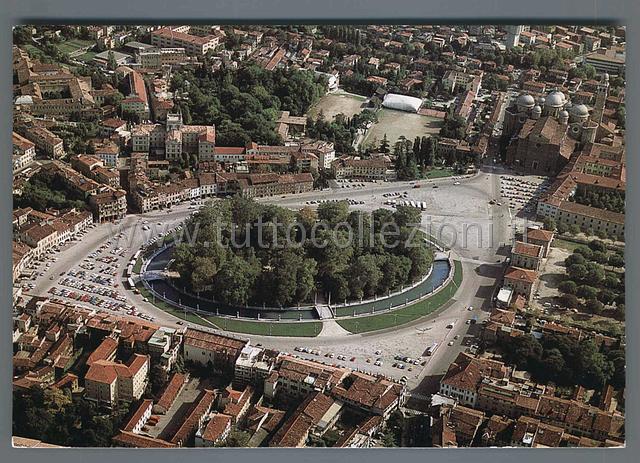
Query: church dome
point(525, 100)
point(537, 109)
point(580, 110)
point(555, 99)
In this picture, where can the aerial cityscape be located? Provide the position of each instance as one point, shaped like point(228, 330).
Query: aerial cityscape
point(348, 236)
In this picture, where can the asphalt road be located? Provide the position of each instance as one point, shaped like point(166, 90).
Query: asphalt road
point(453, 211)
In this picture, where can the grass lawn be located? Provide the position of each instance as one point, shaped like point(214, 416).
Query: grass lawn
point(394, 123)
point(87, 57)
point(69, 46)
point(438, 173)
point(566, 245)
point(138, 265)
point(336, 103)
point(33, 51)
point(406, 314)
point(301, 329)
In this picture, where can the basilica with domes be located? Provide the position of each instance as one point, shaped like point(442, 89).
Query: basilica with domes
point(543, 132)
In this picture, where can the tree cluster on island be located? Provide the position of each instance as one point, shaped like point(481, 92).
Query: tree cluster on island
point(349, 255)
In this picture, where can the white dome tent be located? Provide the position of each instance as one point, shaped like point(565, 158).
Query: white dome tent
point(402, 102)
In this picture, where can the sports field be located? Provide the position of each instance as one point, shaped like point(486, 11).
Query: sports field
point(69, 46)
point(396, 123)
point(338, 102)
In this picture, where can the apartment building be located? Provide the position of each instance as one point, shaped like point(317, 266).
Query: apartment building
point(108, 152)
point(221, 352)
point(216, 430)
point(315, 415)
point(44, 140)
point(108, 382)
point(42, 232)
point(21, 258)
point(155, 58)
point(171, 37)
point(194, 419)
point(539, 237)
point(465, 373)
point(41, 238)
point(354, 167)
point(71, 179)
point(374, 395)
point(24, 152)
point(526, 255)
point(508, 398)
point(140, 417)
point(606, 60)
point(253, 366)
point(454, 79)
point(296, 378)
point(108, 204)
point(520, 280)
point(137, 102)
point(260, 185)
point(324, 151)
point(453, 149)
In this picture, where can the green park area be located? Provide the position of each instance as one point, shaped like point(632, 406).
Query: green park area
point(406, 314)
point(301, 329)
point(438, 173)
point(70, 46)
point(87, 57)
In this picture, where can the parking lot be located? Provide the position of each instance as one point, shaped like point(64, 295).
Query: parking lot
point(95, 281)
point(90, 269)
point(522, 193)
point(396, 357)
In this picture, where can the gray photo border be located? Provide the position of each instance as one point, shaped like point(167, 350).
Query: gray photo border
point(626, 12)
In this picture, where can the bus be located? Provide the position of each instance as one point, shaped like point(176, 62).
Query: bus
point(432, 349)
point(131, 283)
point(423, 205)
point(129, 271)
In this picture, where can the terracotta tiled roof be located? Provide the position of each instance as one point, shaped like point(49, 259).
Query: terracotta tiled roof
point(520, 274)
point(297, 427)
point(171, 391)
point(104, 351)
point(129, 439)
point(539, 234)
point(216, 427)
point(138, 414)
point(188, 427)
point(527, 249)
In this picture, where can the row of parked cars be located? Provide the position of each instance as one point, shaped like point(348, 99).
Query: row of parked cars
point(92, 288)
point(94, 300)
